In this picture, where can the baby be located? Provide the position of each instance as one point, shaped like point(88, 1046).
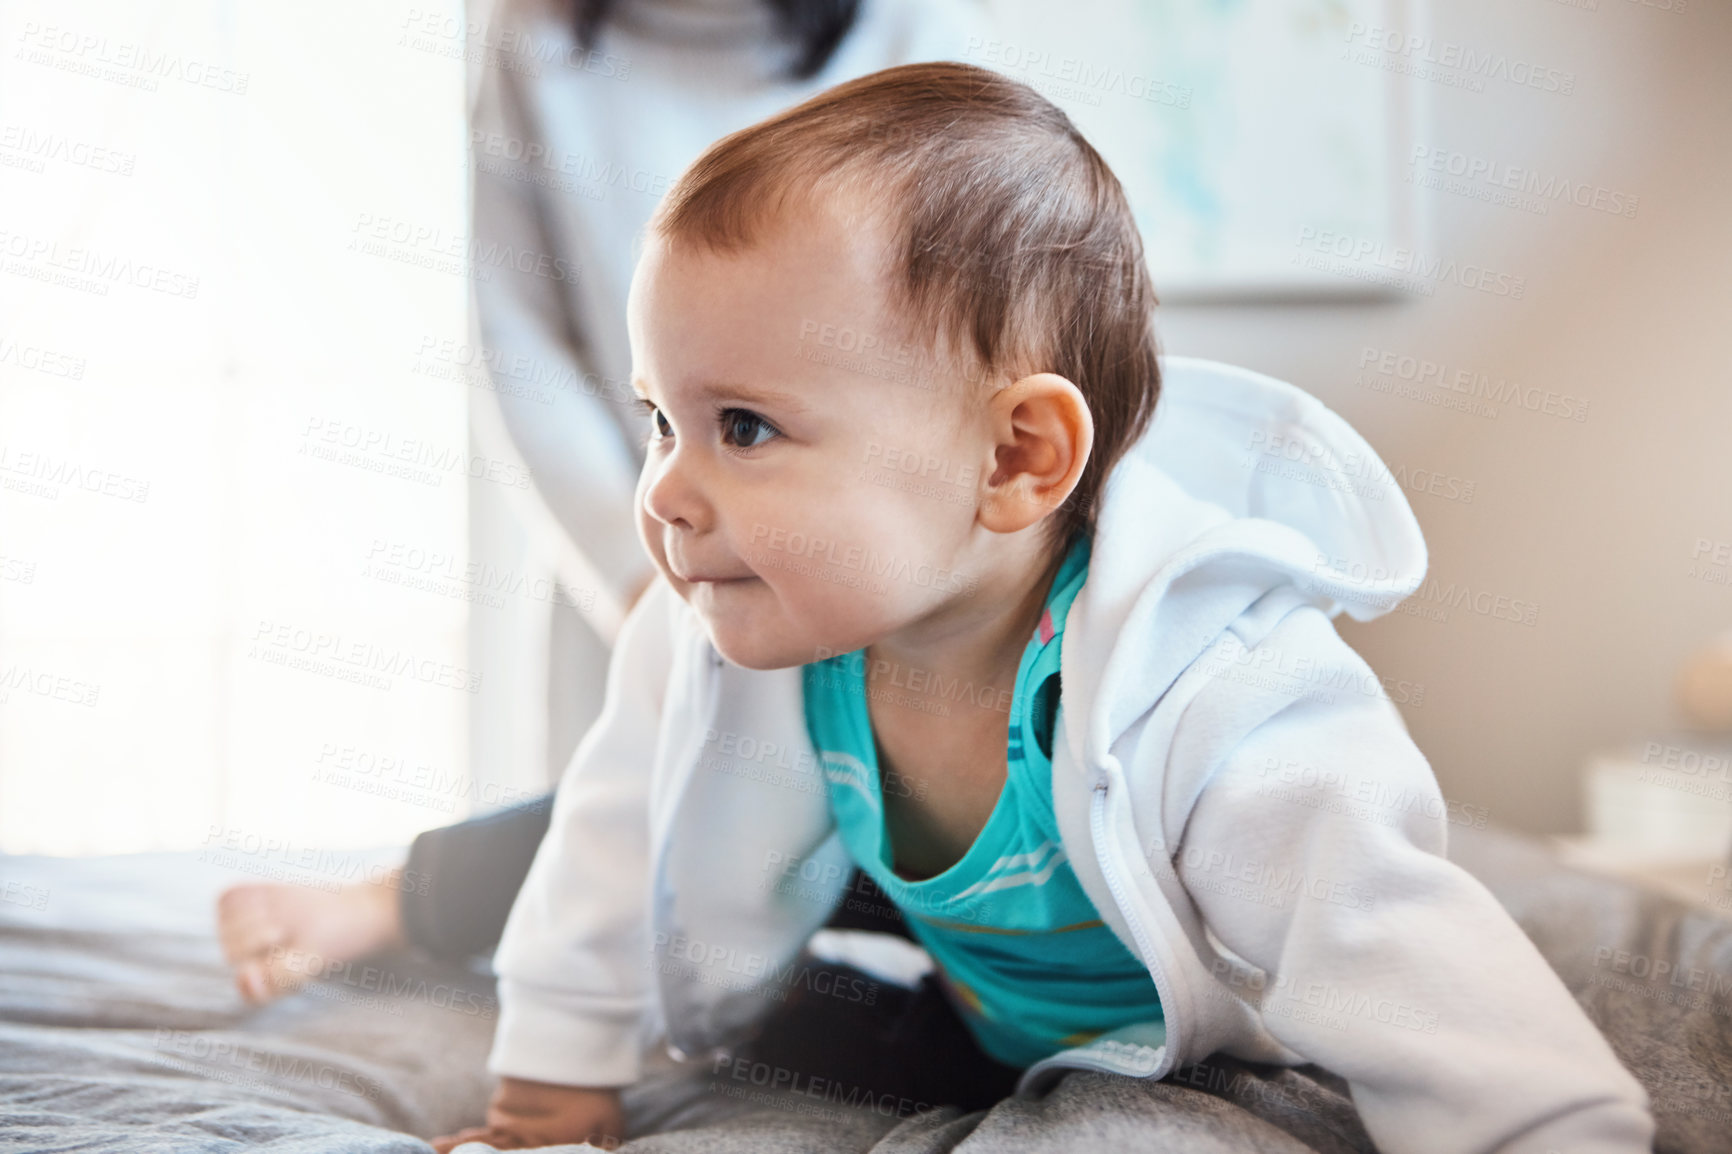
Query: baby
point(1063, 674)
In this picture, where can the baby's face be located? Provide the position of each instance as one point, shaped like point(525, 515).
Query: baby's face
point(775, 496)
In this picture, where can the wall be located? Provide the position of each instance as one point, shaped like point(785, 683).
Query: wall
point(1595, 521)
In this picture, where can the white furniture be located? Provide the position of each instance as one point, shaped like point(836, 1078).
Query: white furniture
point(1660, 813)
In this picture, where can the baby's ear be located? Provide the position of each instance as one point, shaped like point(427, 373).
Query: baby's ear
point(1042, 433)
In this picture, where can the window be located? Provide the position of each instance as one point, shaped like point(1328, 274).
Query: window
point(233, 440)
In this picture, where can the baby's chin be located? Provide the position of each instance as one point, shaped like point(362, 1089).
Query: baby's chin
point(753, 627)
point(746, 635)
point(755, 644)
point(737, 647)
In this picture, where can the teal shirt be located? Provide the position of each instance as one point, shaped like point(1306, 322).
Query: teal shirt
point(1022, 950)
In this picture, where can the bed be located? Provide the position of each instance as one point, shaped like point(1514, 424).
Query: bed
point(119, 1030)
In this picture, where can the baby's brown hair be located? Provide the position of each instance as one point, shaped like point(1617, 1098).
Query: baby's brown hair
point(1013, 234)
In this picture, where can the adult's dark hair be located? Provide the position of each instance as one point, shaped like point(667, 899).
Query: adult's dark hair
point(813, 27)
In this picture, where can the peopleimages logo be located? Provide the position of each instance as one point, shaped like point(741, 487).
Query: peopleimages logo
point(362, 662)
point(1418, 53)
point(455, 252)
point(31, 150)
point(1472, 384)
point(1365, 258)
point(588, 171)
point(39, 474)
point(504, 46)
point(1073, 78)
point(839, 555)
point(1500, 177)
point(40, 683)
point(38, 359)
point(122, 62)
point(89, 270)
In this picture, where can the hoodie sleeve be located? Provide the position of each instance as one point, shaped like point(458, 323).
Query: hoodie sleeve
point(1314, 851)
point(573, 980)
point(554, 406)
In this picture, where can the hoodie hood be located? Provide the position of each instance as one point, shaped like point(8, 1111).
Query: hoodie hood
point(1241, 484)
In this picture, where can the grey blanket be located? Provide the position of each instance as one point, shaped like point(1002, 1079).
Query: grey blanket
point(119, 1030)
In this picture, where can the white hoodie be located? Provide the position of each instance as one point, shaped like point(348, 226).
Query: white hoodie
point(1235, 789)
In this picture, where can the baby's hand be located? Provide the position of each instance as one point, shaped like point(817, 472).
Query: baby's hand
point(525, 1113)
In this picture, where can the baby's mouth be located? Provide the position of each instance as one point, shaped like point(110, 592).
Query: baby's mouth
point(715, 579)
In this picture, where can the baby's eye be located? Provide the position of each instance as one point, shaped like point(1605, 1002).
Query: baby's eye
point(740, 428)
point(657, 422)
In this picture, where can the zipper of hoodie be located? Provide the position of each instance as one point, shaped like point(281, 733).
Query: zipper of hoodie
point(1119, 889)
